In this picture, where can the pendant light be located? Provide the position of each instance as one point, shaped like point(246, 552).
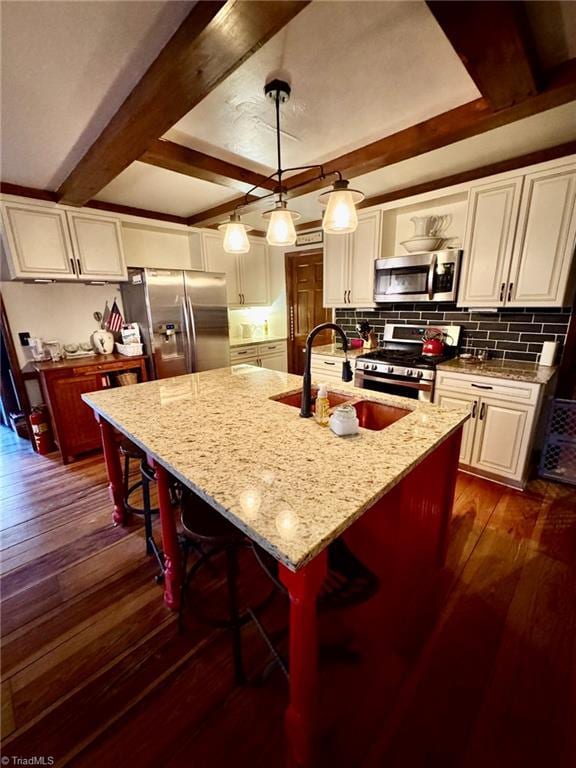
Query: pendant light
point(235, 235)
point(340, 216)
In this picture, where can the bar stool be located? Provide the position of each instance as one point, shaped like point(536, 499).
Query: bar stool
point(207, 531)
point(130, 451)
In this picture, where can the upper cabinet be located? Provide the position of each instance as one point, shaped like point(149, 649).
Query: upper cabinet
point(37, 242)
point(247, 274)
point(519, 245)
point(349, 264)
point(97, 243)
point(49, 243)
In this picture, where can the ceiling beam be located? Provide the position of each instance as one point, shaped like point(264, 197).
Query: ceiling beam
point(493, 41)
point(460, 123)
point(212, 42)
point(444, 182)
point(191, 162)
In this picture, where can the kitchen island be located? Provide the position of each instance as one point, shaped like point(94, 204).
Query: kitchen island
point(289, 484)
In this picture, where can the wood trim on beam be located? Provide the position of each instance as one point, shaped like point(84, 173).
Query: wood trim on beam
point(493, 41)
point(457, 124)
point(210, 44)
point(7, 188)
point(191, 162)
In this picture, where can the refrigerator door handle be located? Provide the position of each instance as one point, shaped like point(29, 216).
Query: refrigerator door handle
point(186, 325)
point(191, 337)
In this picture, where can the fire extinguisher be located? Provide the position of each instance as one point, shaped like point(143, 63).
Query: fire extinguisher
point(41, 429)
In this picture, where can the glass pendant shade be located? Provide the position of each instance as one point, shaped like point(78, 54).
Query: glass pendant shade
point(281, 230)
point(340, 216)
point(235, 236)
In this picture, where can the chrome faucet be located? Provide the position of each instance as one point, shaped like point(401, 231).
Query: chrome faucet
point(306, 407)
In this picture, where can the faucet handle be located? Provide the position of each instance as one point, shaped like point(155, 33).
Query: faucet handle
point(347, 374)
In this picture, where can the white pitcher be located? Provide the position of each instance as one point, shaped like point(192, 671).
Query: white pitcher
point(424, 225)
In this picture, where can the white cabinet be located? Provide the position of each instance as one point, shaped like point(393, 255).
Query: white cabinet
point(247, 274)
point(38, 242)
point(328, 369)
point(159, 247)
point(51, 243)
point(497, 440)
point(349, 264)
point(519, 243)
point(544, 247)
point(97, 244)
point(488, 243)
point(272, 355)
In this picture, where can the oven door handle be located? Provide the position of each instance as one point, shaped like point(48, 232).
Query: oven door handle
point(385, 380)
point(431, 271)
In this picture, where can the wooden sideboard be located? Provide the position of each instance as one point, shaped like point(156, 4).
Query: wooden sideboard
point(75, 429)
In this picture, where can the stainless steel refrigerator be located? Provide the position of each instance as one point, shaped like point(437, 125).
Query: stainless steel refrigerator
point(183, 319)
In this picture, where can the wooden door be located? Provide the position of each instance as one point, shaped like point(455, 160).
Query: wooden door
point(364, 250)
point(449, 400)
point(39, 243)
point(98, 247)
point(544, 244)
point(490, 229)
point(254, 275)
point(336, 271)
point(217, 260)
point(304, 289)
point(76, 428)
point(502, 437)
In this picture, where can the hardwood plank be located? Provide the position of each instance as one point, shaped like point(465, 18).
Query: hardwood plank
point(210, 44)
point(27, 605)
point(526, 715)
point(7, 724)
point(493, 42)
point(190, 162)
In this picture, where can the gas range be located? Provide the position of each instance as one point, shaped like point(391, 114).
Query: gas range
point(399, 367)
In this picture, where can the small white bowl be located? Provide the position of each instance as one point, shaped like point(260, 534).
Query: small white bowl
point(416, 244)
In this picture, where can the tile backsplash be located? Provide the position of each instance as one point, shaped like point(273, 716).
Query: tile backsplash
point(514, 334)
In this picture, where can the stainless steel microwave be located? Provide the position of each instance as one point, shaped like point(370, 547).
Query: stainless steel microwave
point(418, 277)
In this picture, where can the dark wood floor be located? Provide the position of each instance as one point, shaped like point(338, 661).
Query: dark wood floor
point(474, 667)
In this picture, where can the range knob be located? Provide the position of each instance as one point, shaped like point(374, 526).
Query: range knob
point(409, 372)
point(366, 366)
point(374, 367)
point(419, 374)
point(390, 369)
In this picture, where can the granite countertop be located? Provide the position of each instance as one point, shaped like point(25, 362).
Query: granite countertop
point(36, 366)
point(332, 350)
point(502, 369)
point(237, 342)
point(290, 484)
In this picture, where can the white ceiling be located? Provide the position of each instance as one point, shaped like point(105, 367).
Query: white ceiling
point(359, 71)
point(66, 69)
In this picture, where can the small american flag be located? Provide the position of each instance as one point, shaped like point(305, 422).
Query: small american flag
point(115, 320)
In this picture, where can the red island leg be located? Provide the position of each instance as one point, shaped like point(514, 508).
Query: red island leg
point(172, 560)
point(114, 469)
point(303, 587)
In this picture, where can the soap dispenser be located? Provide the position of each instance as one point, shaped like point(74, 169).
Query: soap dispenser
point(322, 406)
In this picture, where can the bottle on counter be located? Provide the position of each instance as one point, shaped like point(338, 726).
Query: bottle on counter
point(265, 327)
point(322, 405)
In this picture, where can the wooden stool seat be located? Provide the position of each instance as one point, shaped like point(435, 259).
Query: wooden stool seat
point(204, 524)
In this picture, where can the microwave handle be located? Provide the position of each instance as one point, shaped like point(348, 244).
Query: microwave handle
point(431, 271)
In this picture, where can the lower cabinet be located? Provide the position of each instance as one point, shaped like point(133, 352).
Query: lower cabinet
point(327, 369)
point(497, 440)
point(75, 429)
point(272, 355)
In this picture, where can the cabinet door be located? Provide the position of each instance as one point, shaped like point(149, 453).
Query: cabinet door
point(77, 430)
point(502, 438)
point(97, 243)
point(449, 400)
point(38, 242)
point(336, 270)
point(217, 260)
point(544, 245)
point(255, 275)
point(364, 250)
point(490, 228)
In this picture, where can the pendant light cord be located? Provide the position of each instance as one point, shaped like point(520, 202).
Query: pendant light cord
point(278, 150)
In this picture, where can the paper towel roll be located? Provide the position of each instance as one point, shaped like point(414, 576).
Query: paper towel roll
point(548, 354)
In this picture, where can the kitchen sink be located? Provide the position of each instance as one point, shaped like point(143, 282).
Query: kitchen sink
point(295, 398)
point(376, 416)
